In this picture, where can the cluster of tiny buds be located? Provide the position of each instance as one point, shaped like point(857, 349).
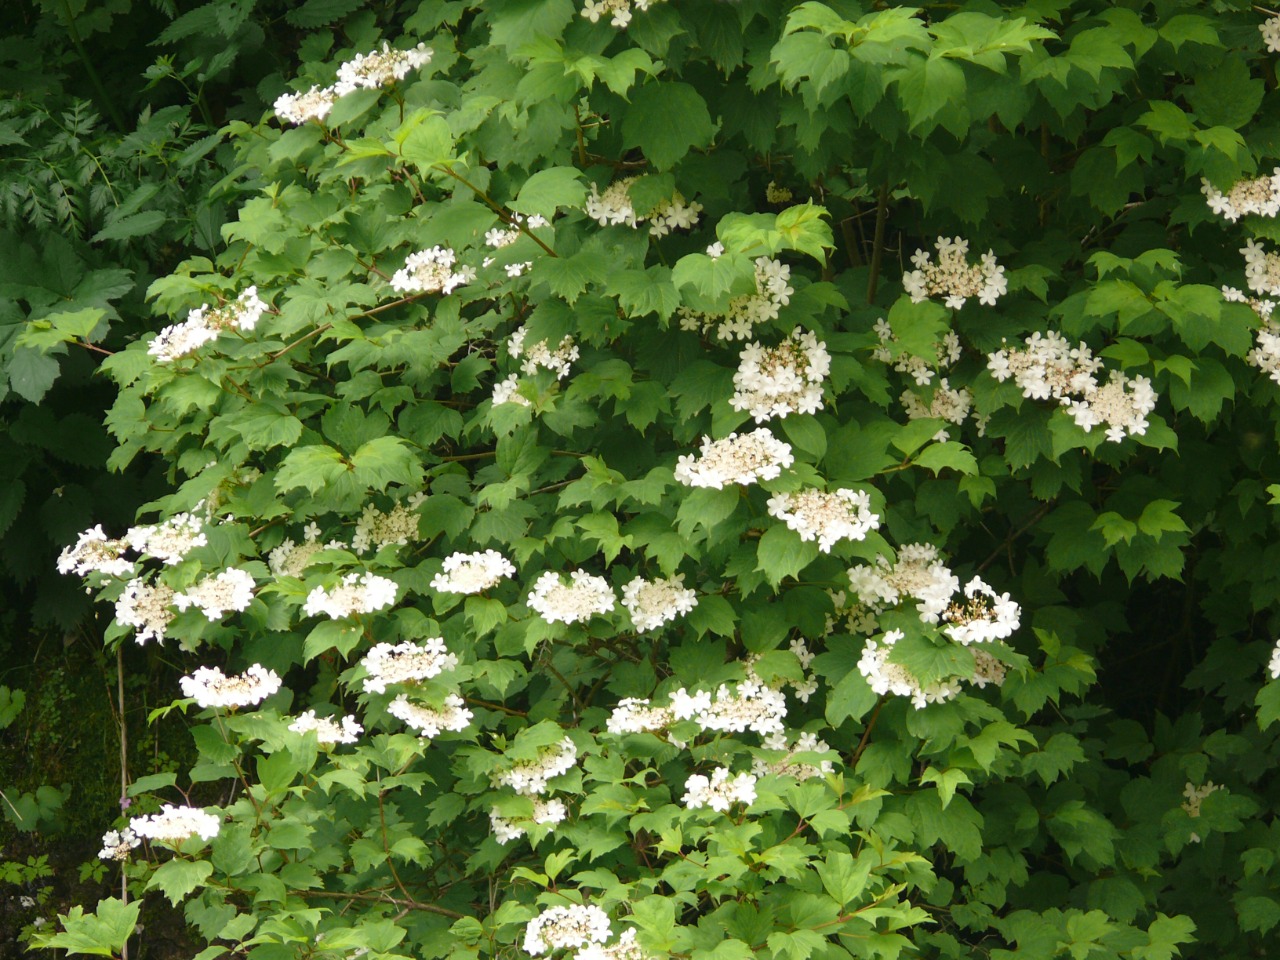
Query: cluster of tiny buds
point(216, 595)
point(826, 517)
point(737, 458)
point(777, 195)
point(117, 844)
point(169, 542)
point(430, 721)
point(651, 603)
point(946, 352)
point(566, 927)
point(375, 529)
point(210, 688)
point(431, 271)
point(357, 593)
point(945, 403)
point(778, 381)
point(577, 601)
point(788, 765)
point(204, 323)
point(615, 206)
point(545, 812)
point(472, 572)
point(983, 615)
point(405, 662)
point(953, 277)
point(291, 559)
point(1195, 797)
point(367, 71)
point(529, 777)
point(1261, 269)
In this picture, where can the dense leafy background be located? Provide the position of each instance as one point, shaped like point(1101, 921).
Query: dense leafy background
point(1042, 818)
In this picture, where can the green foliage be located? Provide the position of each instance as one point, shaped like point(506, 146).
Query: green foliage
point(1020, 696)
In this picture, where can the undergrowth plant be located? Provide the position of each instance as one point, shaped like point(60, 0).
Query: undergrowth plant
point(719, 480)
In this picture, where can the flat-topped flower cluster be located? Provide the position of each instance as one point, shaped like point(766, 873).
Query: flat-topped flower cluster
point(366, 71)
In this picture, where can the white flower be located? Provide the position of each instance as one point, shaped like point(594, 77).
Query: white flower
point(175, 824)
point(544, 812)
point(1259, 196)
point(945, 404)
point(540, 356)
point(95, 551)
point(946, 352)
point(210, 688)
point(369, 71)
point(1270, 29)
point(624, 948)
point(746, 311)
point(432, 721)
point(918, 573)
point(1261, 269)
point(326, 729)
point(953, 277)
point(584, 596)
point(985, 616)
point(529, 777)
point(357, 593)
point(738, 458)
point(987, 669)
point(1195, 796)
point(1273, 668)
point(633, 715)
point(504, 391)
point(214, 596)
point(826, 517)
point(291, 559)
point(781, 380)
point(652, 603)
point(749, 705)
point(146, 608)
point(204, 323)
point(560, 928)
point(405, 662)
point(431, 271)
point(375, 529)
point(169, 541)
point(883, 676)
point(719, 792)
point(472, 572)
point(614, 206)
point(788, 766)
point(116, 844)
point(315, 104)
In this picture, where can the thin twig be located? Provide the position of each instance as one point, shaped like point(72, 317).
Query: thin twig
point(877, 249)
point(371, 898)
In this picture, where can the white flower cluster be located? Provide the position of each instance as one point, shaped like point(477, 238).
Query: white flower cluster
point(1195, 796)
point(94, 550)
point(116, 844)
point(618, 11)
point(431, 271)
point(146, 608)
point(291, 559)
point(405, 662)
point(777, 381)
point(884, 676)
point(983, 615)
point(651, 603)
point(375, 529)
point(367, 71)
point(169, 541)
point(175, 824)
point(776, 194)
point(500, 237)
point(214, 596)
point(537, 356)
point(204, 323)
point(1261, 269)
point(945, 404)
point(357, 593)
point(506, 829)
point(850, 615)
point(529, 777)
point(624, 948)
point(826, 517)
point(946, 352)
point(210, 688)
point(614, 206)
point(748, 705)
point(1270, 29)
point(719, 792)
point(953, 277)
point(738, 458)
point(747, 311)
point(788, 766)
point(918, 574)
point(1259, 195)
point(1050, 367)
point(635, 715)
point(472, 572)
point(432, 721)
point(1273, 668)
point(562, 928)
point(504, 391)
point(584, 596)
point(328, 731)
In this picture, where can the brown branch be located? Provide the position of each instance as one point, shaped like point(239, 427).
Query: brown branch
point(877, 249)
point(371, 898)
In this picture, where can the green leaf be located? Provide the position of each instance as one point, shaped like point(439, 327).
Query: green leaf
point(548, 190)
point(311, 467)
point(926, 87)
point(666, 119)
point(177, 878)
point(101, 933)
point(383, 461)
point(782, 553)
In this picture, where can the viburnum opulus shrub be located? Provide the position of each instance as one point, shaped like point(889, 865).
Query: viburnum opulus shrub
point(722, 480)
